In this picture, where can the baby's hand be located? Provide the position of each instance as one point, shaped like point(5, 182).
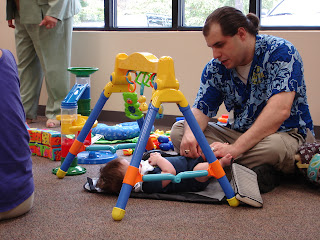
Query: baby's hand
point(153, 159)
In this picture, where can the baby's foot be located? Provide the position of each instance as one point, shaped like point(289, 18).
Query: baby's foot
point(226, 160)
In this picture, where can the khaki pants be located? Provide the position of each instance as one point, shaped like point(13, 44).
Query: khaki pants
point(43, 54)
point(19, 210)
point(277, 150)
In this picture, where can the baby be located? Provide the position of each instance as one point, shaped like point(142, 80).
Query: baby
point(112, 174)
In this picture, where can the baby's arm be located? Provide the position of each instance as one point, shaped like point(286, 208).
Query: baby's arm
point(225, 161)
point(166, 167)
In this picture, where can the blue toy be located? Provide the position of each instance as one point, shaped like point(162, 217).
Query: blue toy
point(165, 143)
point(95, 157)
point(120, 131)
point(314, 169)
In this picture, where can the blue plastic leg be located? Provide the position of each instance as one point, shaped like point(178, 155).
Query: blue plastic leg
point(195, 128)
point(137, 155)
point(140, 122)
point(85, 130)
point(205, 147)
point(226, 186)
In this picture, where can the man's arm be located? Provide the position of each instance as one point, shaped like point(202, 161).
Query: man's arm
point(268, 122)
point(189, 141)
point(63, 9)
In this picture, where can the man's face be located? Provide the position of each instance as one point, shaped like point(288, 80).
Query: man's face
point(230, 51)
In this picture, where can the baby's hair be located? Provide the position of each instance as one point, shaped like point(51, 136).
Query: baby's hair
point(111, 176)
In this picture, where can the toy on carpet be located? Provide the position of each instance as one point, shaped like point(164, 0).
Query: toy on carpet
point(121, 131)
point(165, 143)
point(145, 167)
point(81, 89)
point(45, 143)
point(72, 123)
point(127, 152)
point(308, 162)
point(95, 157)
point(161, 140)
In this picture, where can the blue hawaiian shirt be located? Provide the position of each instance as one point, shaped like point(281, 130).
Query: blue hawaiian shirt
point(276, 67)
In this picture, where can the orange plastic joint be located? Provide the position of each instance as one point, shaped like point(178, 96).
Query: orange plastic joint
point(75, 148)
point(132, 176)
point(150, 145)
point(216, 170)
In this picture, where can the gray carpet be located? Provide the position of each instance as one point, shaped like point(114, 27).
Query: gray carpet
point(64, 210)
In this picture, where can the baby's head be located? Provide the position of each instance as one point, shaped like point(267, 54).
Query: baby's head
point(112, 174)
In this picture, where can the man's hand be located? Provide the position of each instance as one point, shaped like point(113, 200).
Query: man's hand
point(189, 146)
point(49, 22)
point(10, 24)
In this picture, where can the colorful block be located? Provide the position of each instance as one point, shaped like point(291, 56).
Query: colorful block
point(33, 148)
point(51, 138)
point(52, 153)
point(35, 135)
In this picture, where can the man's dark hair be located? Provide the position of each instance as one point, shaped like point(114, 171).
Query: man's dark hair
point(111, 177)
point(230, 20)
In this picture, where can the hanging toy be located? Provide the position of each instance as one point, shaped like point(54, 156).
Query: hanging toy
point(143, 105)
point(160, 112)
point(132, 106)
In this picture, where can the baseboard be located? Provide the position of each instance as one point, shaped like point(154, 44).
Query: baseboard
point(167, 121)
point(119, 117)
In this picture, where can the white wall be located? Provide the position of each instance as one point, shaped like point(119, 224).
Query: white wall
point(188, 50)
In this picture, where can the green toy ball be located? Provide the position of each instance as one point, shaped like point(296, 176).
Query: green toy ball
point(314, 169)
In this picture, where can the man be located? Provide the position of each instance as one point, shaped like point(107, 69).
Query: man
point(260, 80)
point(43, 32)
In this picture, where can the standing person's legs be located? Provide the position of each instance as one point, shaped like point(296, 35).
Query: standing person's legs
point(55, 53)
point(30, 72)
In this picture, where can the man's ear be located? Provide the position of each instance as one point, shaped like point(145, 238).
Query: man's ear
point(242, 33)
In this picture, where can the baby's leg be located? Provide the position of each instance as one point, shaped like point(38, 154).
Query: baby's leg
point(225, 161)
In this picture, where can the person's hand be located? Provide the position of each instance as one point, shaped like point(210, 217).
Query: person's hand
point(153, 159)
point(189, 146)
point(10, 24)
point(49, 22)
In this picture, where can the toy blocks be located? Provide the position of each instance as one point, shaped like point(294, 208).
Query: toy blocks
point(45, 143)
point(51, 138)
